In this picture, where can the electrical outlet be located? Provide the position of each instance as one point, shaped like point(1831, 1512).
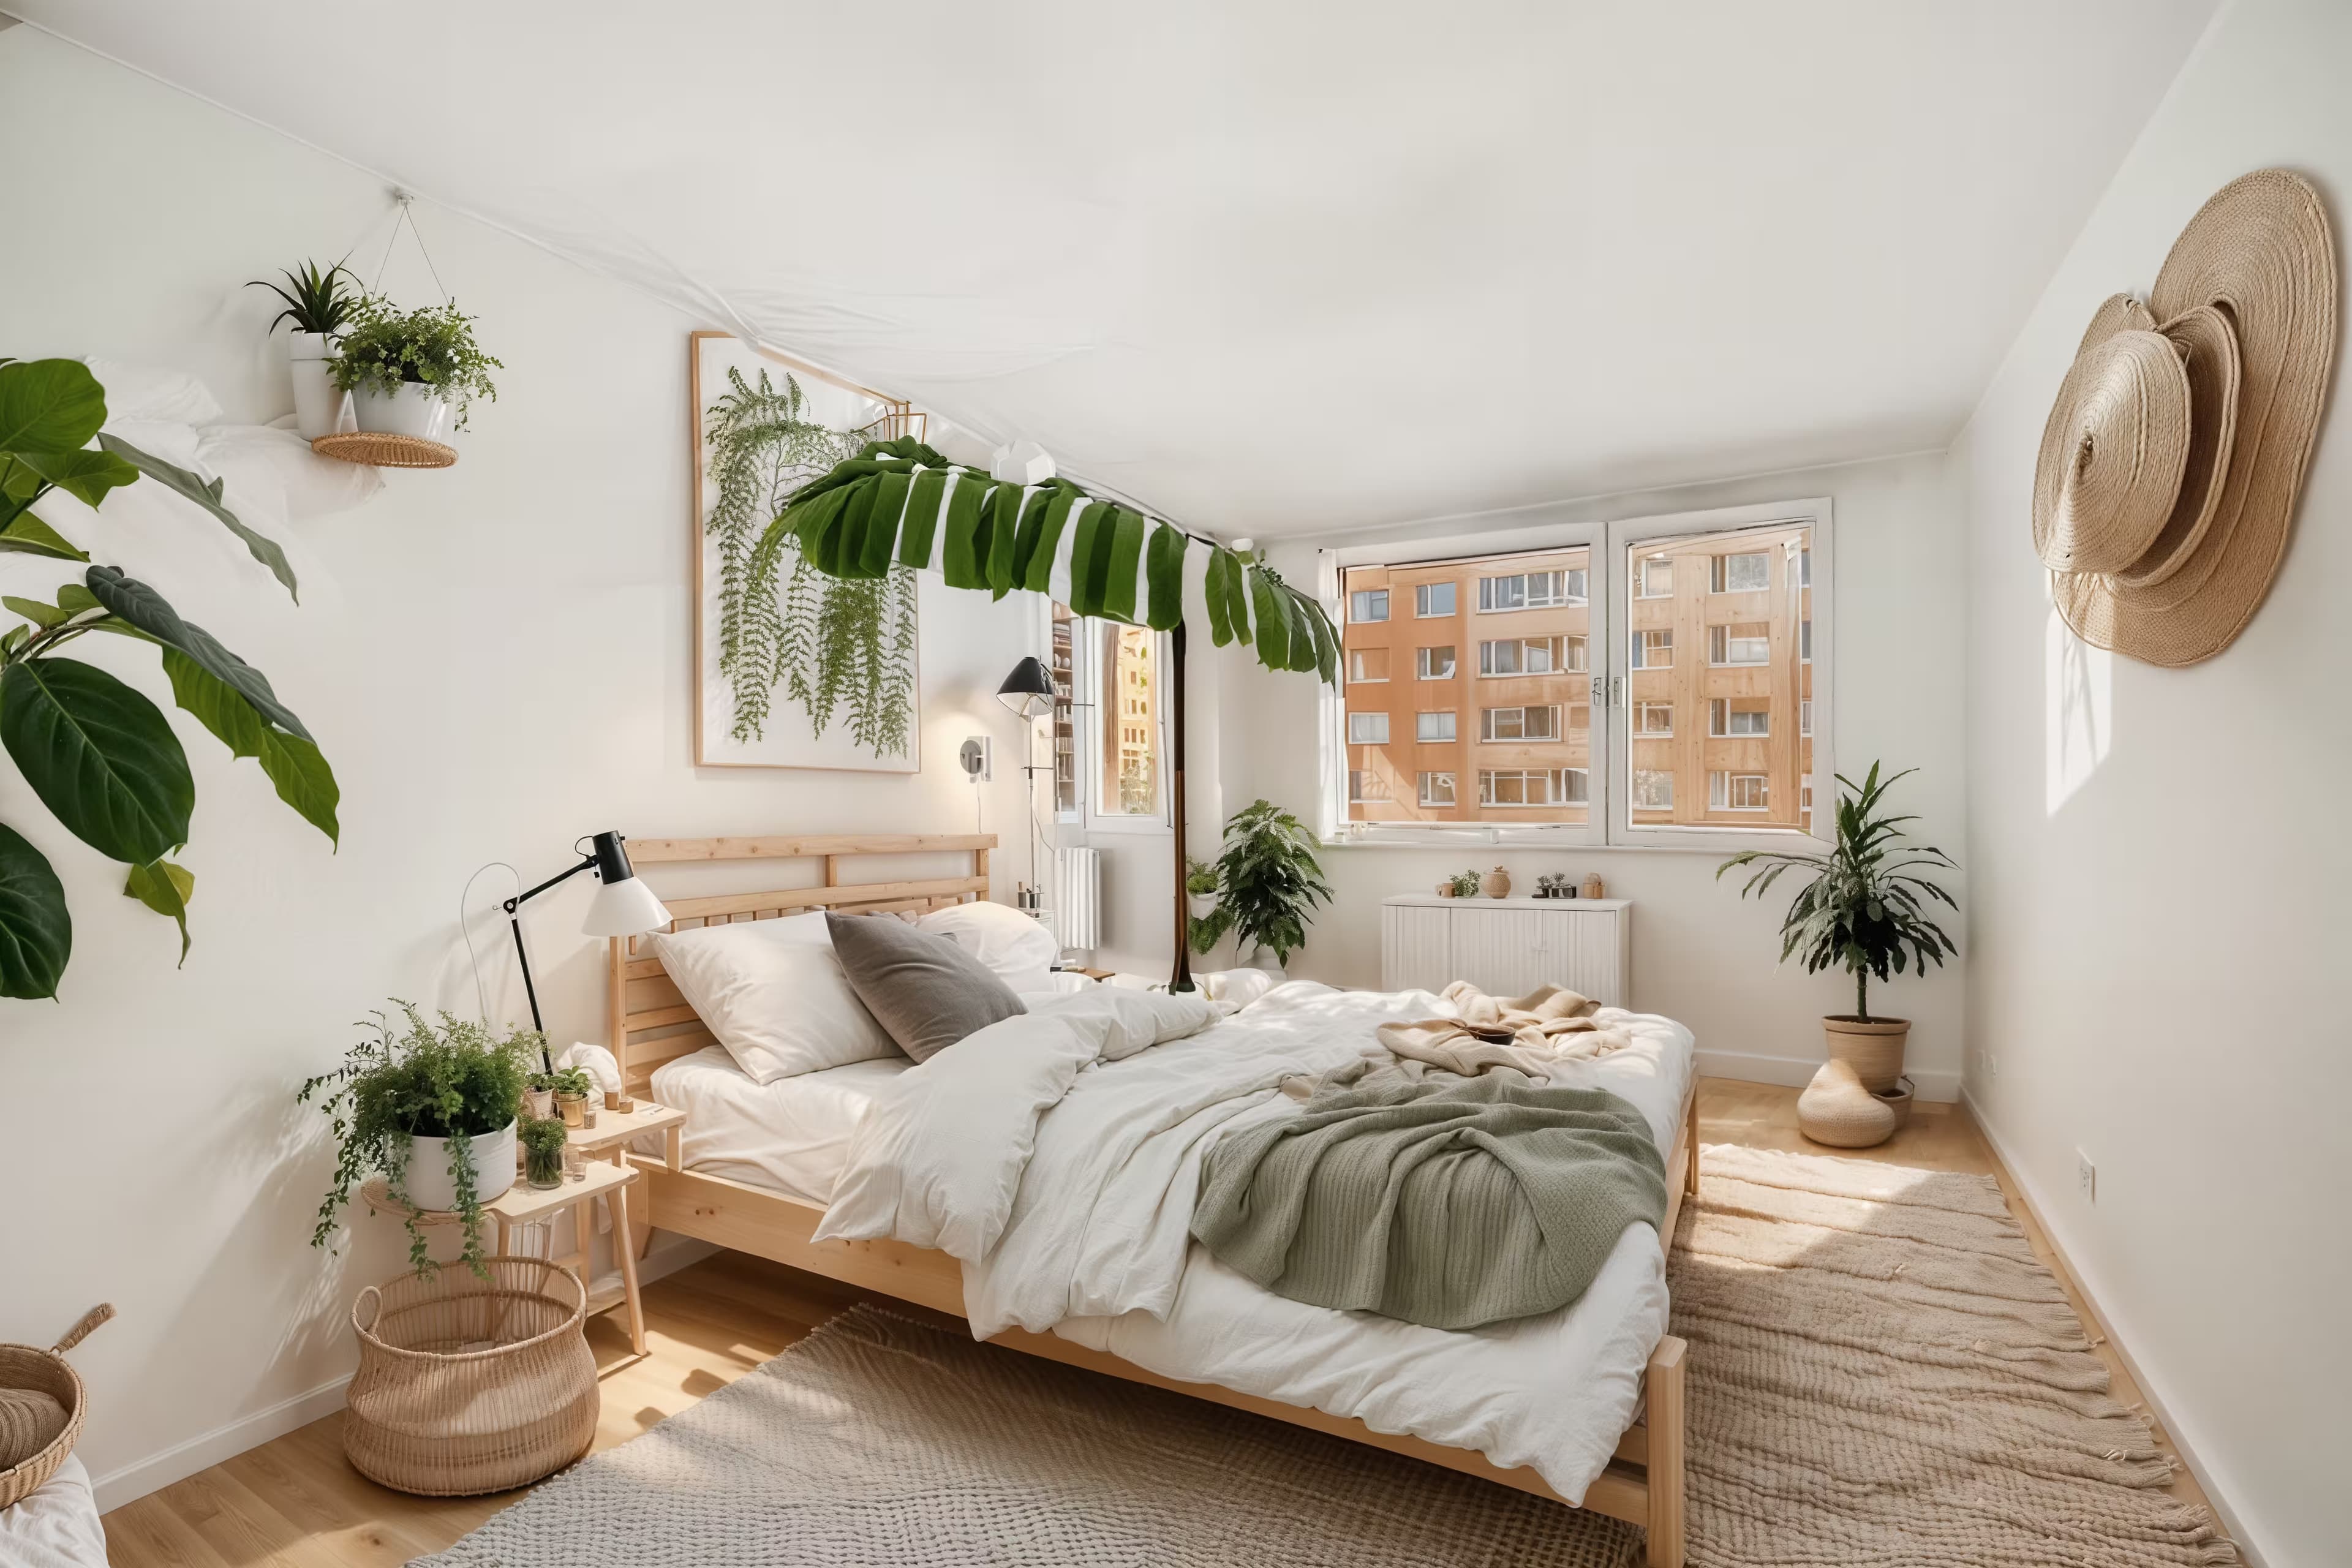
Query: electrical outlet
point(2086, 1176)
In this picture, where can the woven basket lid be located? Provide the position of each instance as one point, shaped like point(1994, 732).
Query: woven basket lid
point(2248, 298)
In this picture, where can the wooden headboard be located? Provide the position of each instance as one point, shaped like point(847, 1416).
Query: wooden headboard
point(649, 1023)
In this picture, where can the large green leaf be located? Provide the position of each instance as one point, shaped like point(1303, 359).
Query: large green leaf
point(48, 406)
point(166, 889)
point(1272, 625)
point(35, 931)
point(84, 475)
point(207, 496)
point(1163, 575)
point(922, 518)
point(144, 607)
point(26, 534)
point(293, 763)
point(102, 757)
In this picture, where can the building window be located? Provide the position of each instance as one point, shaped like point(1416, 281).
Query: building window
point(1531, 591)
point(1805, 640)
point(1434, 663)
point(1431, 600)
point(1533, 787)
point(1437, 789)
point(1433, 727)
point(1129, 719)
point(1654, 790)
point(1804, 568)
point(1518, 724)
point(1654, 720)
point(1368, 664)
point(1747, 573)
point(1653, 650)
point(1805, 717)
point(1365, 784)
point(1064, 668)
point(1805, 796)
point(1367, 604)
point(1654, 577)
point(1739, 716)
point(1368, 729)
point(1738, 644)
point(1739, 792)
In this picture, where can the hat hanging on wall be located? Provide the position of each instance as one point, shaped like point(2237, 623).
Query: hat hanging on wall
point(2169, 468)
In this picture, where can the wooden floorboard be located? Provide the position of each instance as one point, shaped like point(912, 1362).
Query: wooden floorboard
point(295, 1502)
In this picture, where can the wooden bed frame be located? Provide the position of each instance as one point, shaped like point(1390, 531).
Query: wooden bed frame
point(651, 1023)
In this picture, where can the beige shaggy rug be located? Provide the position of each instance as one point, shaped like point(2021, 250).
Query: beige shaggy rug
point(1881, 1374)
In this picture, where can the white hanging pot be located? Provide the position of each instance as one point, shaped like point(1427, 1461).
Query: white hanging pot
point(414, 410)
point(321, 407)
point(429, 1187)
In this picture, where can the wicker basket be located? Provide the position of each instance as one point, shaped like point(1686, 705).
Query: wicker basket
point(469, 1385)
point(25, 1366)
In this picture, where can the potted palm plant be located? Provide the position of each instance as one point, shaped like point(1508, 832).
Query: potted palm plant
point(1864, 908)
point(1268, 885)
point(413, 373)
point(320, 304)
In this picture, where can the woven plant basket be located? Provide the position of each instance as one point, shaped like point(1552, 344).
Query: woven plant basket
point(469, 1385)
point(46, 1371)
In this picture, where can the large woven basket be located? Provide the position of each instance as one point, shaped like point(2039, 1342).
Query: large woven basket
point(46, 1371)
point(469, 1385)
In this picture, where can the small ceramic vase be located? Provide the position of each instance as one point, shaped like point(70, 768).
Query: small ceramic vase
point(1498, 883)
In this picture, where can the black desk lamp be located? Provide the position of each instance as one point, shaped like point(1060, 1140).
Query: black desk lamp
point(623, 906)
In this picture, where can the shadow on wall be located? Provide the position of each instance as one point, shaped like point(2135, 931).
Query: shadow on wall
point(2078, 712)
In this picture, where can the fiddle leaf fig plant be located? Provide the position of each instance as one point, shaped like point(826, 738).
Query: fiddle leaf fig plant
point(96, 752)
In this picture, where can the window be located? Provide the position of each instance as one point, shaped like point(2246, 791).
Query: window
point(1654, 577)
point(1805, 640)
point(1127, 719)
point(1653, 720)
point(1367, 604)
point(1368, 664)
point(1805, 717)
point(1434, 726)
point(1437, 789)
point(1518, 724)
point(1365, 784)
point(1739, 716)
point(1654, 790)
point(1738, 644)
point(1431, 600)
point(1064, 669)
point(1533, 787)
point(1530, 656)
point(1653, 650)
point(1739, 792)
point(1750, 572)
point(1804, 568)
point(1531, 591)
point(1368, 729)
point(1805, 795)
point(1434, 663)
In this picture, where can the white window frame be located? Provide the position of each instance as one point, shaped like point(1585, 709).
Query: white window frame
point(1421, 661)
point(1722, 633)
point(1608, 786)
point(1719, 572)
point(1487, 737)
point(1420, 594)
point(1387, 739)
point(1641, 734)
point(1353, 678)
point(1720, 707)
point(1720, 800)
point(1098, 721)
point(1382, 620)
point(1355, 774)
point(1646, 634)
point(1452, 786)
point(1453, 725)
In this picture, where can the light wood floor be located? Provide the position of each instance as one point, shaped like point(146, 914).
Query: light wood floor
point(295, 1502)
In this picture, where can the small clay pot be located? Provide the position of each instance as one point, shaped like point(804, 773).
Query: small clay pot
point(1595, 887)
point(1444, 889)
point(1497, 883)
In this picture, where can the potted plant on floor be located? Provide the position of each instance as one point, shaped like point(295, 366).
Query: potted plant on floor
point(413, 373)
point(1268, 883)
point(1863, 908)
point(430, 1108)
point(542, 1142)
point(319, 305)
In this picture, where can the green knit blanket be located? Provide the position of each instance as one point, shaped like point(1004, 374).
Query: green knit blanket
point(1452, 1202)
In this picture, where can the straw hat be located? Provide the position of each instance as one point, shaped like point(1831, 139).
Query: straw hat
point(2174, 453)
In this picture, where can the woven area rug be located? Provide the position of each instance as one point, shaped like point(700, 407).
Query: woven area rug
point(1883, 1373)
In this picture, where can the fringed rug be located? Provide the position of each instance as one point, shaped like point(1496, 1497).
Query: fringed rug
point(1882, 1375)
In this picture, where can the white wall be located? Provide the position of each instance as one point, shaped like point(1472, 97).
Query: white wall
point(1700, 952)
point(500, 663)
point(2156, 979)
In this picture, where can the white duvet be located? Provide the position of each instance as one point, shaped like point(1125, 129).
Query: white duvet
point(1056, 1156)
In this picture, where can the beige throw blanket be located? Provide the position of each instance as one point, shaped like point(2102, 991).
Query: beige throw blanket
point(1529, 1034)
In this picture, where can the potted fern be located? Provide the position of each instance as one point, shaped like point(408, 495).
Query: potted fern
point(1866, 909)
point(412, 372)
point(320, 304)
point(1268, 885)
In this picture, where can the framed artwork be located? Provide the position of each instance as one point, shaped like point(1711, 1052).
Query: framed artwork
point(791, 669)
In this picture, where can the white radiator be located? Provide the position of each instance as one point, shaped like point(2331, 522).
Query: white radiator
point(1077, 897)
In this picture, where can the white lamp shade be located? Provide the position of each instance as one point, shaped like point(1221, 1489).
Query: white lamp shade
point(624, 908)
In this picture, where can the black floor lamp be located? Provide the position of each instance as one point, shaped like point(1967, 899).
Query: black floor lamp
point(623, 906)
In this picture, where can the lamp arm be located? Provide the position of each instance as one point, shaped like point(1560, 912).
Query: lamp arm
point(587, 863)
point(514, 918)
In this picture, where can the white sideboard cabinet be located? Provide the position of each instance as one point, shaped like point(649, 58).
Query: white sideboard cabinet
point(1507, 947)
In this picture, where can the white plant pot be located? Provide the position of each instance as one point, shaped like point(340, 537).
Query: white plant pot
point(1201, 904)
point(321, 407)
point(429, 1187)
point(414, 410)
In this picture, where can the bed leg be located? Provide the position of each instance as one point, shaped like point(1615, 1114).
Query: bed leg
point(1664, 1407)
point(1690, 1140)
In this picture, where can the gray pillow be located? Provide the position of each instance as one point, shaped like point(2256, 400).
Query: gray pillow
point(924, 989)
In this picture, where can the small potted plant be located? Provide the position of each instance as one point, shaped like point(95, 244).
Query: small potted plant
point(320, 304)
point(1461, 885)
point(413, 373)
point(1268, 883)
point(542, 1141)
point(1201, 893)
point(1863, 908)
point(572, 1087)
point(539, 1096)
point(431, 1108)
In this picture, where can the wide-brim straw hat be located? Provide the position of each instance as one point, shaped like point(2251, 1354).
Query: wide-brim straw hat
point(2170, 465)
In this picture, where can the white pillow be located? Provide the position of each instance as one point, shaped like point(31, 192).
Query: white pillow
point(774, 995)
point(1018, 947)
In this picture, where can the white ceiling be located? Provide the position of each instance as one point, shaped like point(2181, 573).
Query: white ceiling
point(1273, 268)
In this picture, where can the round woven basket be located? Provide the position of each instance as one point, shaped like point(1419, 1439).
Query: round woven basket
point(385, 451)
point(469, 1385)
point(46, 1371)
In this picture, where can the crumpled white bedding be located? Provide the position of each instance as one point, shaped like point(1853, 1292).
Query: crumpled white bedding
point(58, 1526)
point(1062, 1178)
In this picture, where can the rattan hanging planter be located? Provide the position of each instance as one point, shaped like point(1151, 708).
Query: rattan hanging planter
point(46, 1371)
point(468, 1384)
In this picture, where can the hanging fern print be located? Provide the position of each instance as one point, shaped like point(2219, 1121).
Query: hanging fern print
point(835, 647)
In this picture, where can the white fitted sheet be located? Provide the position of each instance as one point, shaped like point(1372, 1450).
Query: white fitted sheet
point(791, 1136)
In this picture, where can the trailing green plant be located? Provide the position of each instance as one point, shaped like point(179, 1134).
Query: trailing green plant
point(98, 755)
point(834, 644)
point(316, 302)
point(1464, 884)
point(1268, 883)
point(543, 1140)
point(1863, 906)
point(455, 1080)
point(433, 346)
